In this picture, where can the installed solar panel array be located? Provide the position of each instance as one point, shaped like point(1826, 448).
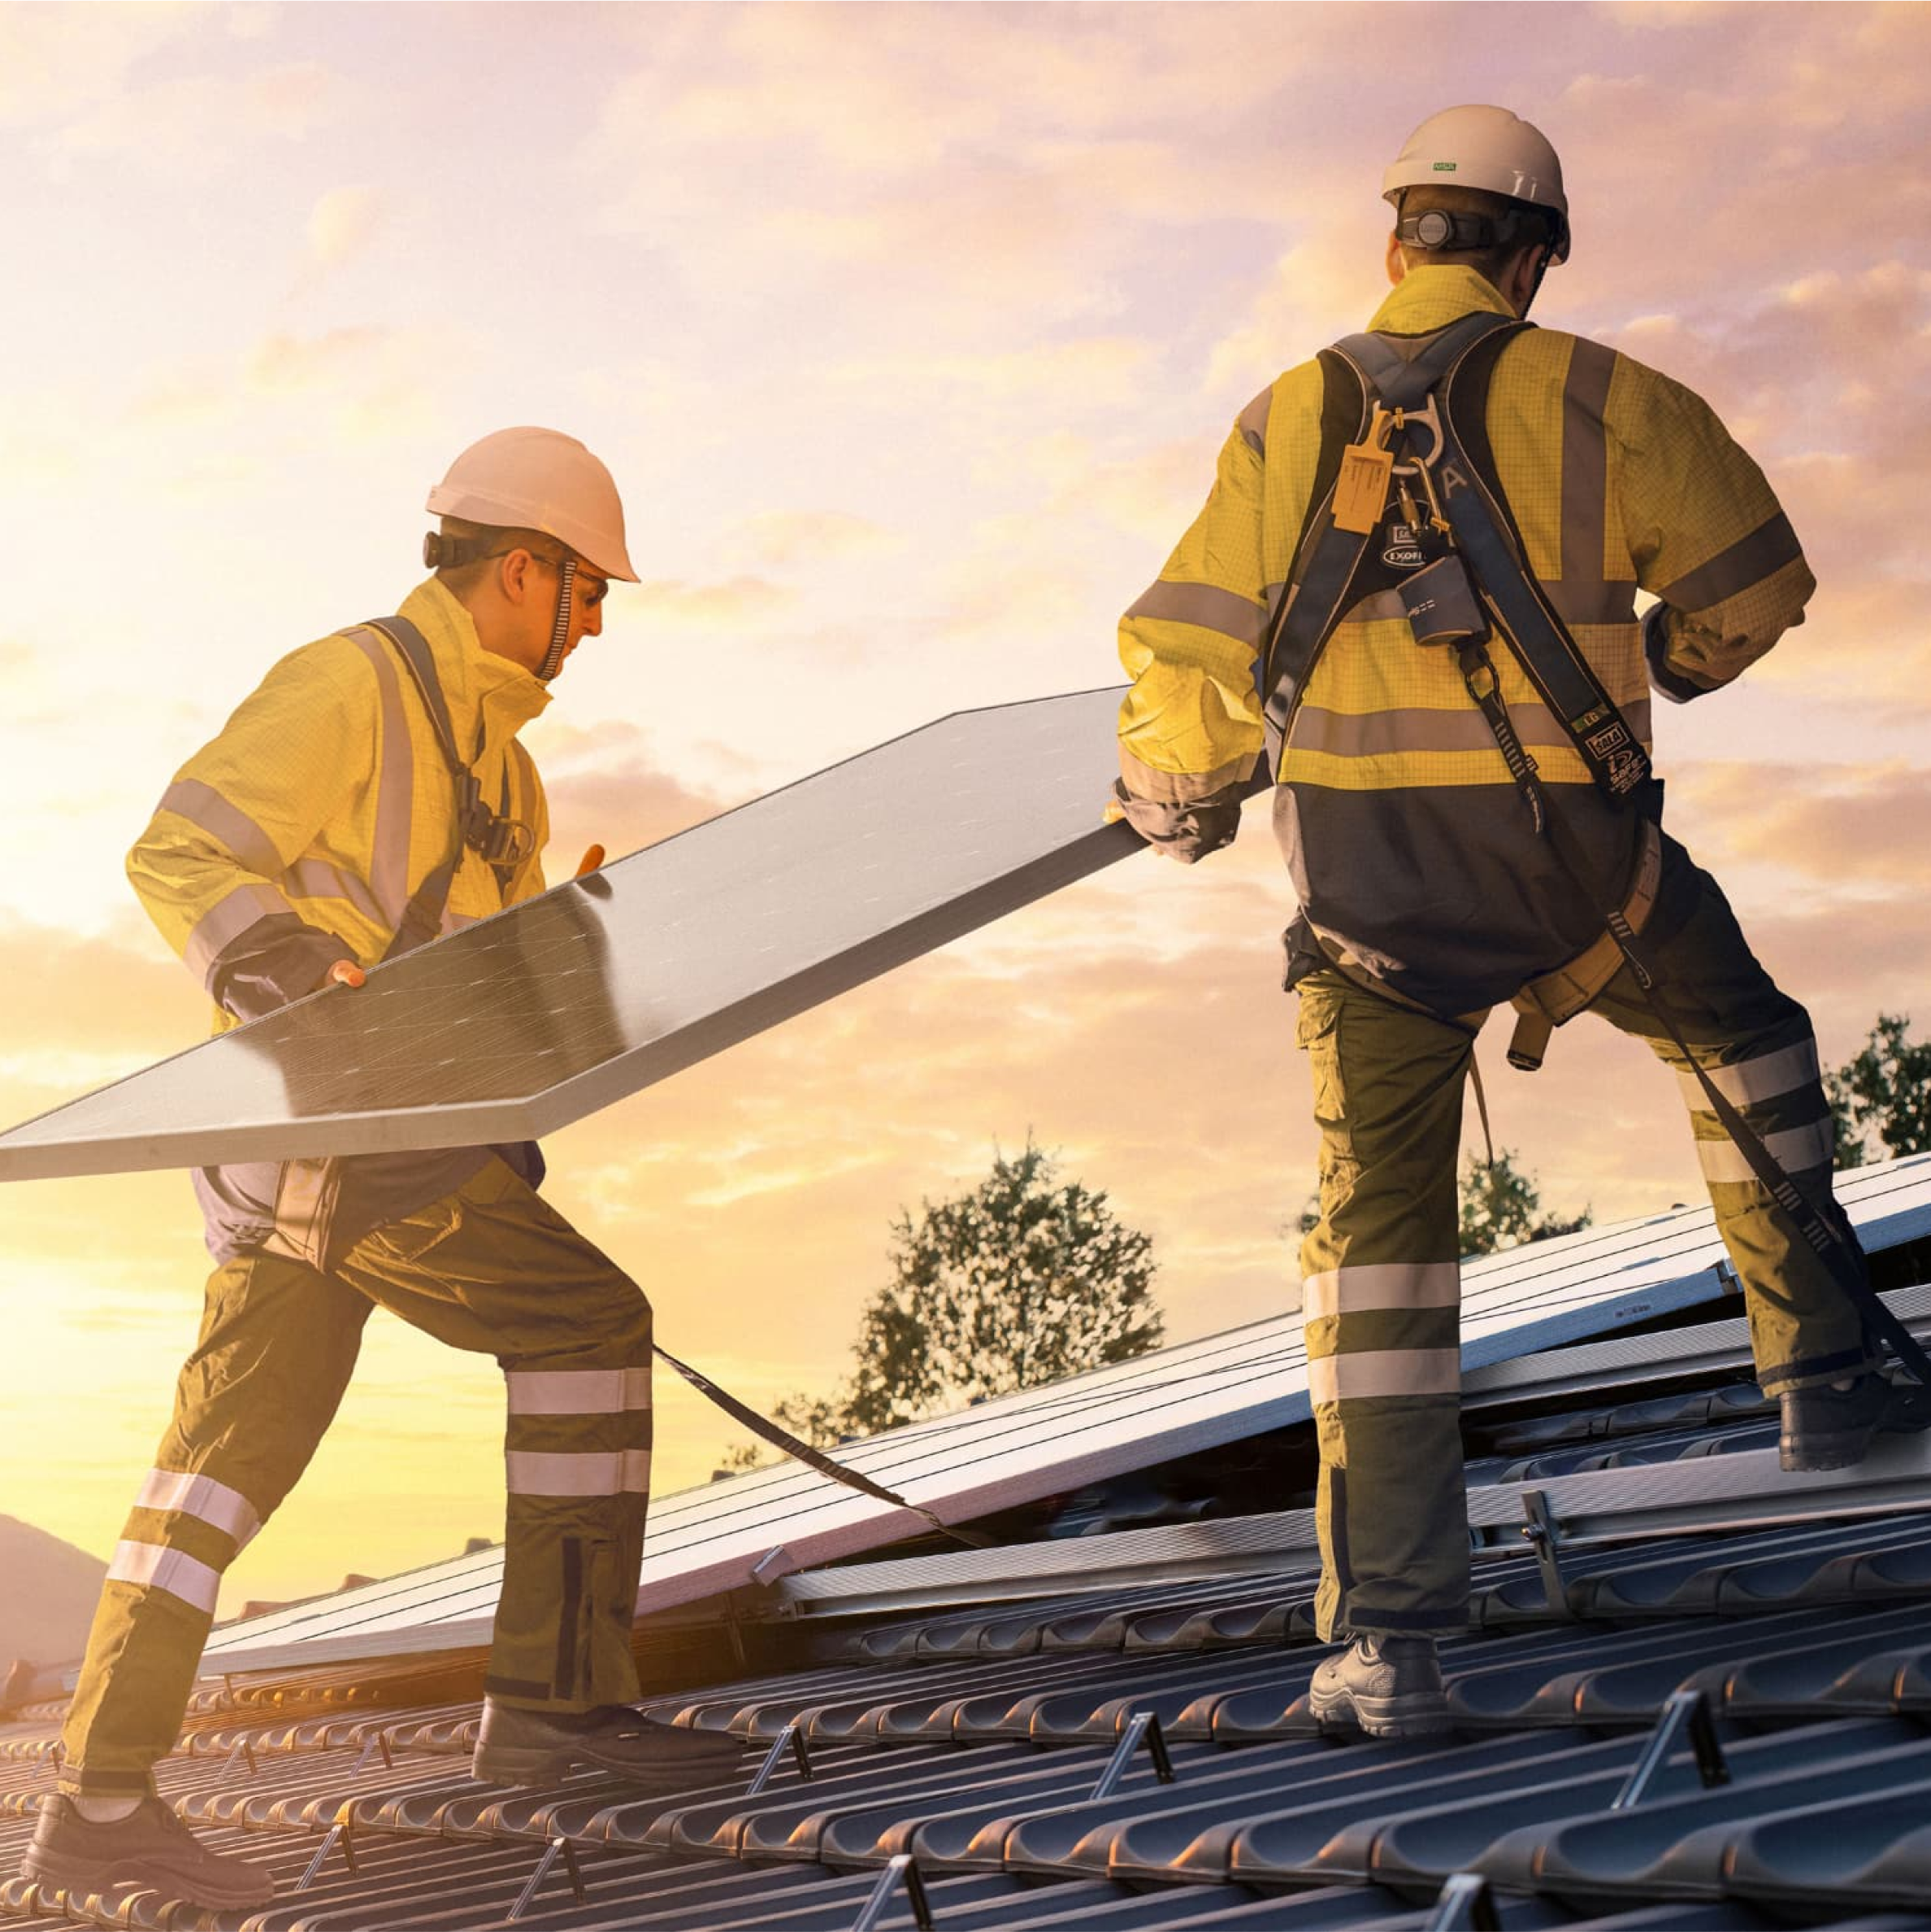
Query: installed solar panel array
point(1192, 1396)
point(520, 1025)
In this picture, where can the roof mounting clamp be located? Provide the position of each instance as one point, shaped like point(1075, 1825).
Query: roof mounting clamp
point(343, 1829)
point(1464, 1905)
point(558, 1847)
point(1142, 1727)
point(1538, 1527)
point(243, 1752)
point(773, 1564)
point(901, 1868)
point(790, 1738)
point(1685, 1711)
point(377, 1744)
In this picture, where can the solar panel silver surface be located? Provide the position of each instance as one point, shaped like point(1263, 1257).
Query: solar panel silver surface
point(1043, 1442)
point(518, 1026)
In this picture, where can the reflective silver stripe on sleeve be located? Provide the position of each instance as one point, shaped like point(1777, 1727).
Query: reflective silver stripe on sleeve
point(395, 785)
point(1796, 1148)
point(1744, 564)
point(231, 828)
point(578, 1473)
point(219, 928)
point(1252, 422)
point(1374, 734)
point(1385, 1372)
point(202, 1498)
point(1205, 605)
point(1763, 1079)
point(1382, 1285)
point(316, 879)
point(577, 1392)
point(155, 1567)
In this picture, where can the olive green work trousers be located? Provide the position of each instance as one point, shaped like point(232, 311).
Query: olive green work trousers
point(1380, 1291)
point(492, 1268)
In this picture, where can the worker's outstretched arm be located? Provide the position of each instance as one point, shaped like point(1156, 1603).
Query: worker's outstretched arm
point(243, 810)
point(1190, 728)
point(1707, 536)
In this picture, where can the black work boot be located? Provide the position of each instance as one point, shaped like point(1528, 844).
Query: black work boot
point(1388, 1686)
point(517, 1746)
point(151, 1848)
point(1825, 1428)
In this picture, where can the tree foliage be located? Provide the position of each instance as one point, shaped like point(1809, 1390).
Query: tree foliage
point(1024, 1279)
point(1881, 1101)
point(1499, 1207)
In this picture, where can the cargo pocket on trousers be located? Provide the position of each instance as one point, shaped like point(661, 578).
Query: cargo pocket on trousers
point(401, 1243)
point(1318, 1033)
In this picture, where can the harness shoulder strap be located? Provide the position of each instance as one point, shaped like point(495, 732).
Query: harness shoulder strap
point(421, 917)
point(1490, 541)
point(412, 648)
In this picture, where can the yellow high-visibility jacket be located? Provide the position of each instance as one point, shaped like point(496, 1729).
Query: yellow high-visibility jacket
point(1410, 848)
point(298, 836)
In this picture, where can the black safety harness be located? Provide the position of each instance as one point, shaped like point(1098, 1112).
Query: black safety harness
point(1475, 583)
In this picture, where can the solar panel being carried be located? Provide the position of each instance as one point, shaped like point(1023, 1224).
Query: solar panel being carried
point(516, 1027)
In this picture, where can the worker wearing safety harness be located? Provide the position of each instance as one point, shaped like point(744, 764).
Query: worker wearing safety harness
point(369, 796)
point(1408, 607)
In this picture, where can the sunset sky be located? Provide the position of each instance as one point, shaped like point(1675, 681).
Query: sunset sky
point(910, 334)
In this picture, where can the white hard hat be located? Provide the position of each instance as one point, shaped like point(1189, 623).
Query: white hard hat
point(540, 479)
point(1486, 148)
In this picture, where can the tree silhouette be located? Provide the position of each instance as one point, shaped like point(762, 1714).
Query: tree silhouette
point(1883, 1096)
point(1022, 1280)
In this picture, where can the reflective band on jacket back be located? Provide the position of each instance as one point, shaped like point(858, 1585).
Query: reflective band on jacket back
point(1796, 1148)
point(577, 1392)
point(155, 1567)
point(578, 1473)
point(204, 1499)
point(1385, 1372)
point(395, 792)
point(1749, 1081)
point(1381, 1285)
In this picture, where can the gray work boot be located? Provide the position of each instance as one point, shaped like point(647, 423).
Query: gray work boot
point(517, 1746)
point(1825, 1428)
point(151, 1848)
point(1388, 1686)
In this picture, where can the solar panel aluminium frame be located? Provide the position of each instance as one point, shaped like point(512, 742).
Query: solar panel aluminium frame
point(753, 1529)
point(608, 984)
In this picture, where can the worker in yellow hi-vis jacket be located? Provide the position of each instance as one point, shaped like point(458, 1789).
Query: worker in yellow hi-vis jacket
point(368, 795)
point(1318, 628)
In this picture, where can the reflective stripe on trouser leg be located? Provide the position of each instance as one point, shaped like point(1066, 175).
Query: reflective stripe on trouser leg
point(493, 1267)
point(1756, 1044)
point(277, 1344)
point(577, 1466)
point(1381, 1304)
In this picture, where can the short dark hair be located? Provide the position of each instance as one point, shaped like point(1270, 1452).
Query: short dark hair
point(1535, 226)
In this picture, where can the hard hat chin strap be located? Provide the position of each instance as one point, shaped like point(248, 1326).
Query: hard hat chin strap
point(552, 658)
